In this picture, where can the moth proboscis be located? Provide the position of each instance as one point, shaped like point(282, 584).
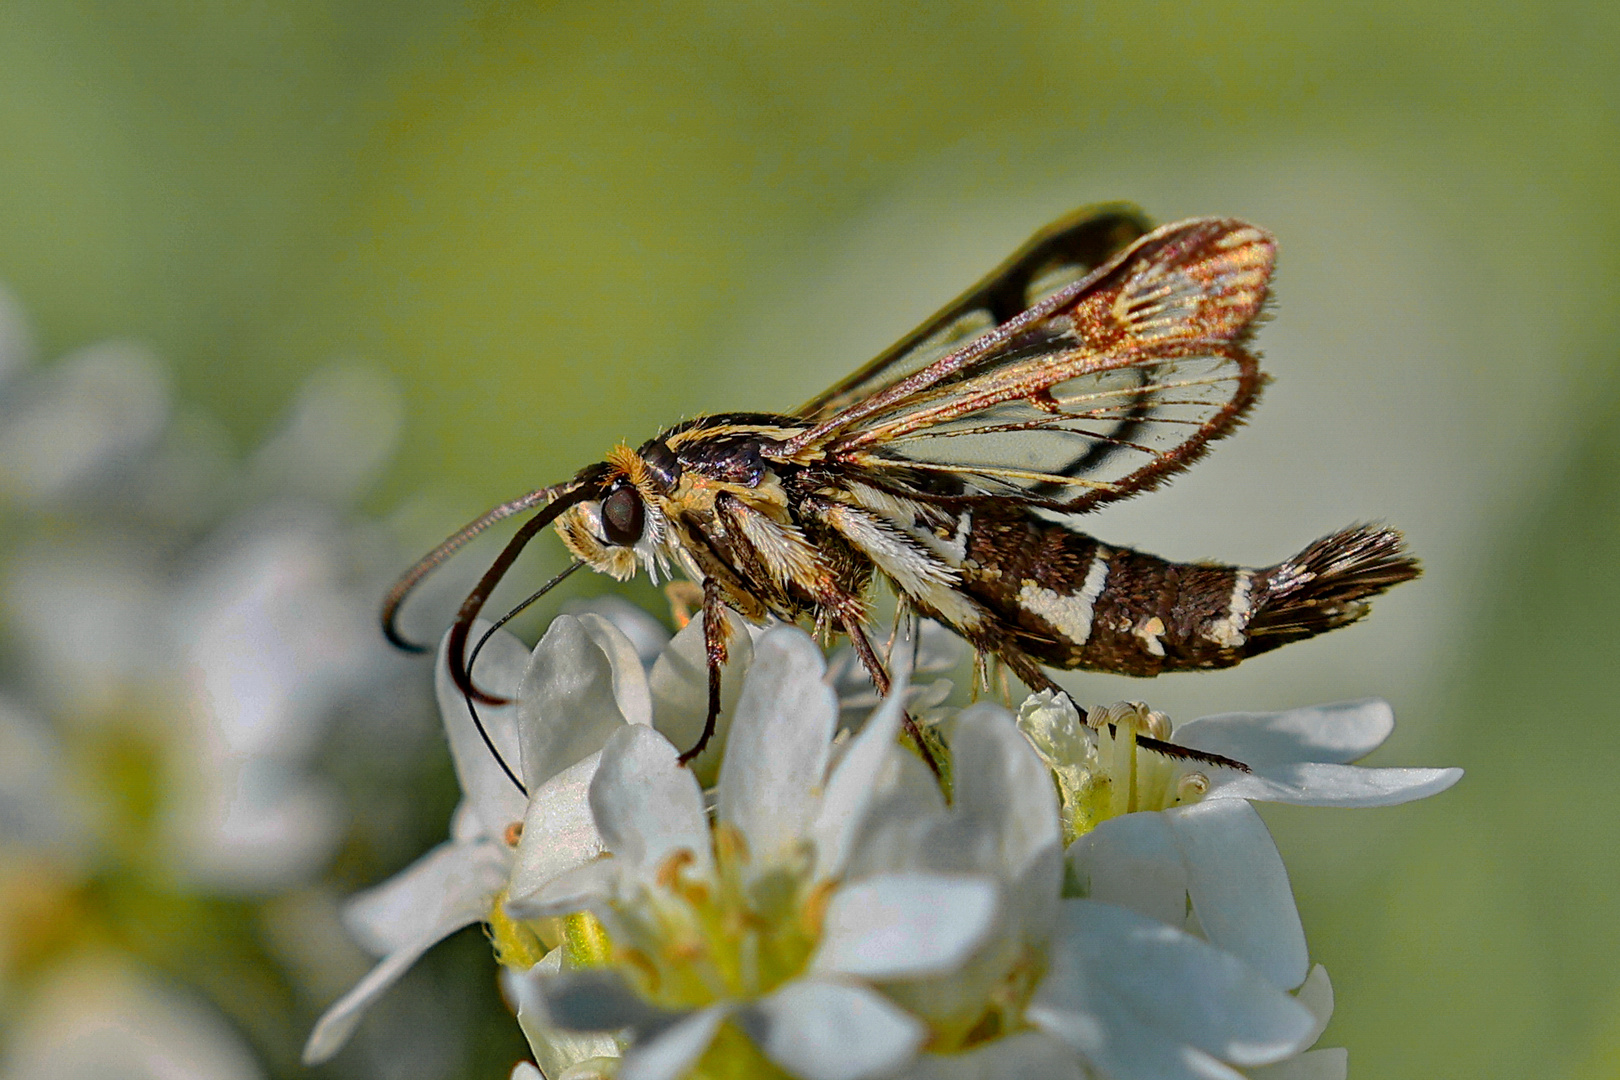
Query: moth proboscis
point(1102, 358)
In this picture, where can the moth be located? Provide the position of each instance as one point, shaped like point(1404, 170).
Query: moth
point(1099, 360)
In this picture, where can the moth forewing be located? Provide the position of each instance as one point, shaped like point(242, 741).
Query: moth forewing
point(1211, 273)
point(1062, 253)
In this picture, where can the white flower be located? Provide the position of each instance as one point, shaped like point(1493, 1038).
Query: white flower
point(758, 936)
point(1175, 839)
point(1063, 986)
point(584, 681)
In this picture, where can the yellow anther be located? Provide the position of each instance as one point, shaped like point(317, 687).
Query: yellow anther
point(730, 845)
point(586, 940)
point(1192, 787)
point(814, 911)
point(670, 869)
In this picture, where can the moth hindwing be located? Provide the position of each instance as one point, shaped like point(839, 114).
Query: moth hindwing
point(1097, 362)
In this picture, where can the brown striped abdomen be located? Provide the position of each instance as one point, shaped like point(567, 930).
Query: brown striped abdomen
point(1071, 601)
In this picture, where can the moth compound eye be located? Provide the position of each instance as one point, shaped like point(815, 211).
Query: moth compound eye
point(623, 516)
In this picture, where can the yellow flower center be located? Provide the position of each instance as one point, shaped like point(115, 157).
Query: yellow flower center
point(1099, 765)
point(694, 938)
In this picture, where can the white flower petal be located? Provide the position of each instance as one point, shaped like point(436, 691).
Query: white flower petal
point(1240, 889)
point(1004, 794)
point(630, 687)
point(584, 888)
point(677, 1048)
point(1341, 733)
point(904, 812)
point(1122, 1047)
point(465, 826)
point(82, 616)
point(853, 786)
point(1004, 820)
point(780, 740)
point(484, 786)
point(559, 830)
point(1109, 965)
point(525, 1070)
point(39, 809)
point(1312, 784)
point(452, 885)
point(341, 431)
point(251, 825)
point(433, 917)
point(85, 417)
point(1317, 996)
point(1330, 1064)
point(679, 682)
point(566, 707)
point(824, 1030)
point(591, 999)
point(555, 1049)
point(1134, 861)
point(597, 1068)
point(644, 632)
point(901, 926)
point(646, 805)
point(1026, 1055)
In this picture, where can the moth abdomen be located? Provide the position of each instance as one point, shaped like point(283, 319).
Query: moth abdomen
point(1071, 601)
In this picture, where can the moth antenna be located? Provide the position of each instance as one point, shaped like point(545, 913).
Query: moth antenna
point(460, 673)
point(472, 661)
point(1187, 753)
point(434, 559)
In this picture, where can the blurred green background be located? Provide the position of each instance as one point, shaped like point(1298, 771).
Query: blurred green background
point(560, 225)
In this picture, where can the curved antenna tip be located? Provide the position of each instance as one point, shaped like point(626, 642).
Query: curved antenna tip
point(403, 644)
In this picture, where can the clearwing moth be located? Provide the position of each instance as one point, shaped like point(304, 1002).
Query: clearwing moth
point(1102, 358)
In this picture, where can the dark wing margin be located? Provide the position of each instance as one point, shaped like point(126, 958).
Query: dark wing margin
point(1060, 254)
point(1097, 392)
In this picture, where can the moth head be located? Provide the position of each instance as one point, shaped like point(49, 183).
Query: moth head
point(623, 527)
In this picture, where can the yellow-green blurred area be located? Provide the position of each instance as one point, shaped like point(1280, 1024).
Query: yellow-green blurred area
point(562, 225)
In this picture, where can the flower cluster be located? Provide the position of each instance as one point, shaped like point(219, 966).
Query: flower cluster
point(1074, 897)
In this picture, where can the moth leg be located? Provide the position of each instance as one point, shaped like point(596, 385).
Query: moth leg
point(1030, 673)
point(902, 617)
point(716, 629)
point(880, 679)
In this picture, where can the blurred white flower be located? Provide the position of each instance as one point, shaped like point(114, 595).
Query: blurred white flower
point(41, 809)
point(97, 1017)
point(88, 418)
point(220, 621)
point(761, 926)
point(183, 628)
